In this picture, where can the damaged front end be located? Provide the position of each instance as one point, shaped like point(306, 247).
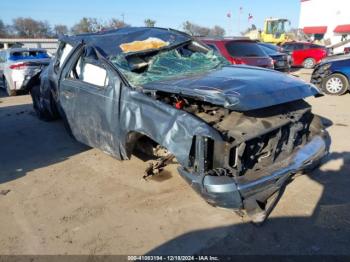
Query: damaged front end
point(238, 132)
point(268, 131)
point(261, 150)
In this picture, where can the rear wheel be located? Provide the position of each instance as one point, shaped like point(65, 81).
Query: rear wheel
point(7, 88)
point(43, 112)
point(309, 63)
point(335, 84)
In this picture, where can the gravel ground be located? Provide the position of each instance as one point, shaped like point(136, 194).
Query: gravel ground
point(58, 196)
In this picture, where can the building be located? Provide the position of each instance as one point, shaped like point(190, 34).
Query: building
point(327, 21)
point(47, 43)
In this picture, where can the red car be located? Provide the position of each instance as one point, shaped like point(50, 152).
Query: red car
point(305, 54)
point(240, 51)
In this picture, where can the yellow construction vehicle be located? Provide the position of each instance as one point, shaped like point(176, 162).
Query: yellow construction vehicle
point(275, 31)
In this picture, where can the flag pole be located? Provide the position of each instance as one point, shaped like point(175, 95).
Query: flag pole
point(239, 20)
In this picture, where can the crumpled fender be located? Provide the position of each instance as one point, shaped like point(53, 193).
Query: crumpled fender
point(174, 129)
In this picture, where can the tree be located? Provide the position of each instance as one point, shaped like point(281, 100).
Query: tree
point(87, 25)
point(116, 23)
point(217, 31)
point(149, 22)
point(188, 28)
point(3, 29)
point(28, 27)
point(197, 30)
point(60, 30)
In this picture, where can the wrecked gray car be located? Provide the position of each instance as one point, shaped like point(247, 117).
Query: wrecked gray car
point(238, 132)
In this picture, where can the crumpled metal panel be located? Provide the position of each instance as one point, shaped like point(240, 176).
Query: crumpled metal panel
point(239, 88)
point(171, 128)
point(109, 41)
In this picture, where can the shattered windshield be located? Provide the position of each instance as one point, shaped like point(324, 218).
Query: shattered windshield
point(187, 59)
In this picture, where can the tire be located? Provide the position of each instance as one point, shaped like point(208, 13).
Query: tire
point(41, 111)
point(335, 84)
point(7, 88)
point(309, 63)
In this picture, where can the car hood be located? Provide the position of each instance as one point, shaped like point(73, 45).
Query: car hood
point(239, 88)
point(335, 58)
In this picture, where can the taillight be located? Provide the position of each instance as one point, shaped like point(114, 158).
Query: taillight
point(19, 66)
point(237, 61)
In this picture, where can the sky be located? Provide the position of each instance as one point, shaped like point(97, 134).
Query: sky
point(166, 13)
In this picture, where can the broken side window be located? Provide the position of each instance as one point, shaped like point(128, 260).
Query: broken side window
point(88, 70)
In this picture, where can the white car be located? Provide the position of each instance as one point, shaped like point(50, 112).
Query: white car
point(18, 65)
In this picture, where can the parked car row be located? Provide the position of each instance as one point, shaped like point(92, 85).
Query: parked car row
point(249, 52)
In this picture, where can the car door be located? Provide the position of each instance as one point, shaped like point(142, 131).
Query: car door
point(299, 54)
point(89, 92)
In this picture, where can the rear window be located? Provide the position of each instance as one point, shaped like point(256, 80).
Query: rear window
point(248, 49)
point(22, 55)
point(316, 46)
point(268, 50)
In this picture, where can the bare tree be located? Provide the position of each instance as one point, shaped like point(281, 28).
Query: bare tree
point(28, 27)
point(188, 27)
point(60, 30)
point(197, 30)
point(149, 22)
point(87, 25)
point(116, 23)
point(217, 31)
point(3, 29)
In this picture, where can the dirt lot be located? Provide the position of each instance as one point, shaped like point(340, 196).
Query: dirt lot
point(60, 197)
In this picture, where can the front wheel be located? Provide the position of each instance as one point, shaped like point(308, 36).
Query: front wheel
point(309, 63)
point(335, 84)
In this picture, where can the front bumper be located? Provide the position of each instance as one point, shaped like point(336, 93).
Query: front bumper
point(318, 75)
point(227, 192)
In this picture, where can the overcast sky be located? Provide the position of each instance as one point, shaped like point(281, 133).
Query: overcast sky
point(167, 13)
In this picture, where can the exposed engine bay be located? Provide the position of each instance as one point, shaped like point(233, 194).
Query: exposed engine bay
point(254, 140)
point(255, 144)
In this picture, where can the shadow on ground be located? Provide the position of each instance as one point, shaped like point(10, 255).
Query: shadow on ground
point(26, 143)
point(326, 231)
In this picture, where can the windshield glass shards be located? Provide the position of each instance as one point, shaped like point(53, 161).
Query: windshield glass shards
point(185, 60)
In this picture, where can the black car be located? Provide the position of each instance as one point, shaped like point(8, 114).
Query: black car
point(281, 61)
point(237, 132)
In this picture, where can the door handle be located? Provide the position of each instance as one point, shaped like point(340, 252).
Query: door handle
point(67, 94)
